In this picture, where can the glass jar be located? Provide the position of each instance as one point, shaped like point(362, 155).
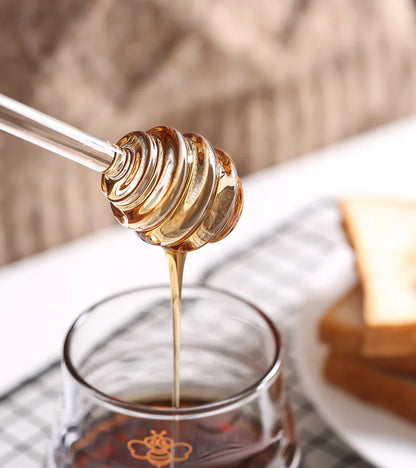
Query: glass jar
point(118, 378)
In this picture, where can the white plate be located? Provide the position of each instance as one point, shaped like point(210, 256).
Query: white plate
point(378, 436)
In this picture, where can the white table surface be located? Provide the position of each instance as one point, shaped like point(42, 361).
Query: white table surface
point(40, 296)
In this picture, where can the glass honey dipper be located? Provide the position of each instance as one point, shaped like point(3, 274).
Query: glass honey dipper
point(175, 190)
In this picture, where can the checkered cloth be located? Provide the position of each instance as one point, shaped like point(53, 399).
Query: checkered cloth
point(274, 274)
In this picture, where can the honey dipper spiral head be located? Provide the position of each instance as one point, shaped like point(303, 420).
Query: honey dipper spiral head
point(176, 190)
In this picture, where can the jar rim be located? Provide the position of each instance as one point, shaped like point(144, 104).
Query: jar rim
point(202, 410)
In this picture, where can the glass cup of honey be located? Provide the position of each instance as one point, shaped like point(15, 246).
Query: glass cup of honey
point(118, 379)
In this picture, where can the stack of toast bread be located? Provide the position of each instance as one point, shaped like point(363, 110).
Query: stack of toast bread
point(371, 330)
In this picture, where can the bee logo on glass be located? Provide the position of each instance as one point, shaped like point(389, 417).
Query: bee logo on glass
point(159, 450)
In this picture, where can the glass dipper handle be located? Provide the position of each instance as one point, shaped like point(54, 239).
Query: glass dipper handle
point(49, 133)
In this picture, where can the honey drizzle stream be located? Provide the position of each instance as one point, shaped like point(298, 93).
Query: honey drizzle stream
point(176, 262)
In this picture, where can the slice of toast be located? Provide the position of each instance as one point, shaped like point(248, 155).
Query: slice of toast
point(342, 328)
point(383, 236)
point(387, 390)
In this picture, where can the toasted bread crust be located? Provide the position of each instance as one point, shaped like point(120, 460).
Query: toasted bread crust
point(389, 391)
point(389, 341)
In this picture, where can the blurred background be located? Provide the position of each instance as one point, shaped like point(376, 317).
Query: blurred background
point(266, 80)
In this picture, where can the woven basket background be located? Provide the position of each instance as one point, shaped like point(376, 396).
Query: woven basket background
point(265, 80)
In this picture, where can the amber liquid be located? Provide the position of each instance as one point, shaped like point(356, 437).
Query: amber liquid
point(229, 440)
point(176, 263)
